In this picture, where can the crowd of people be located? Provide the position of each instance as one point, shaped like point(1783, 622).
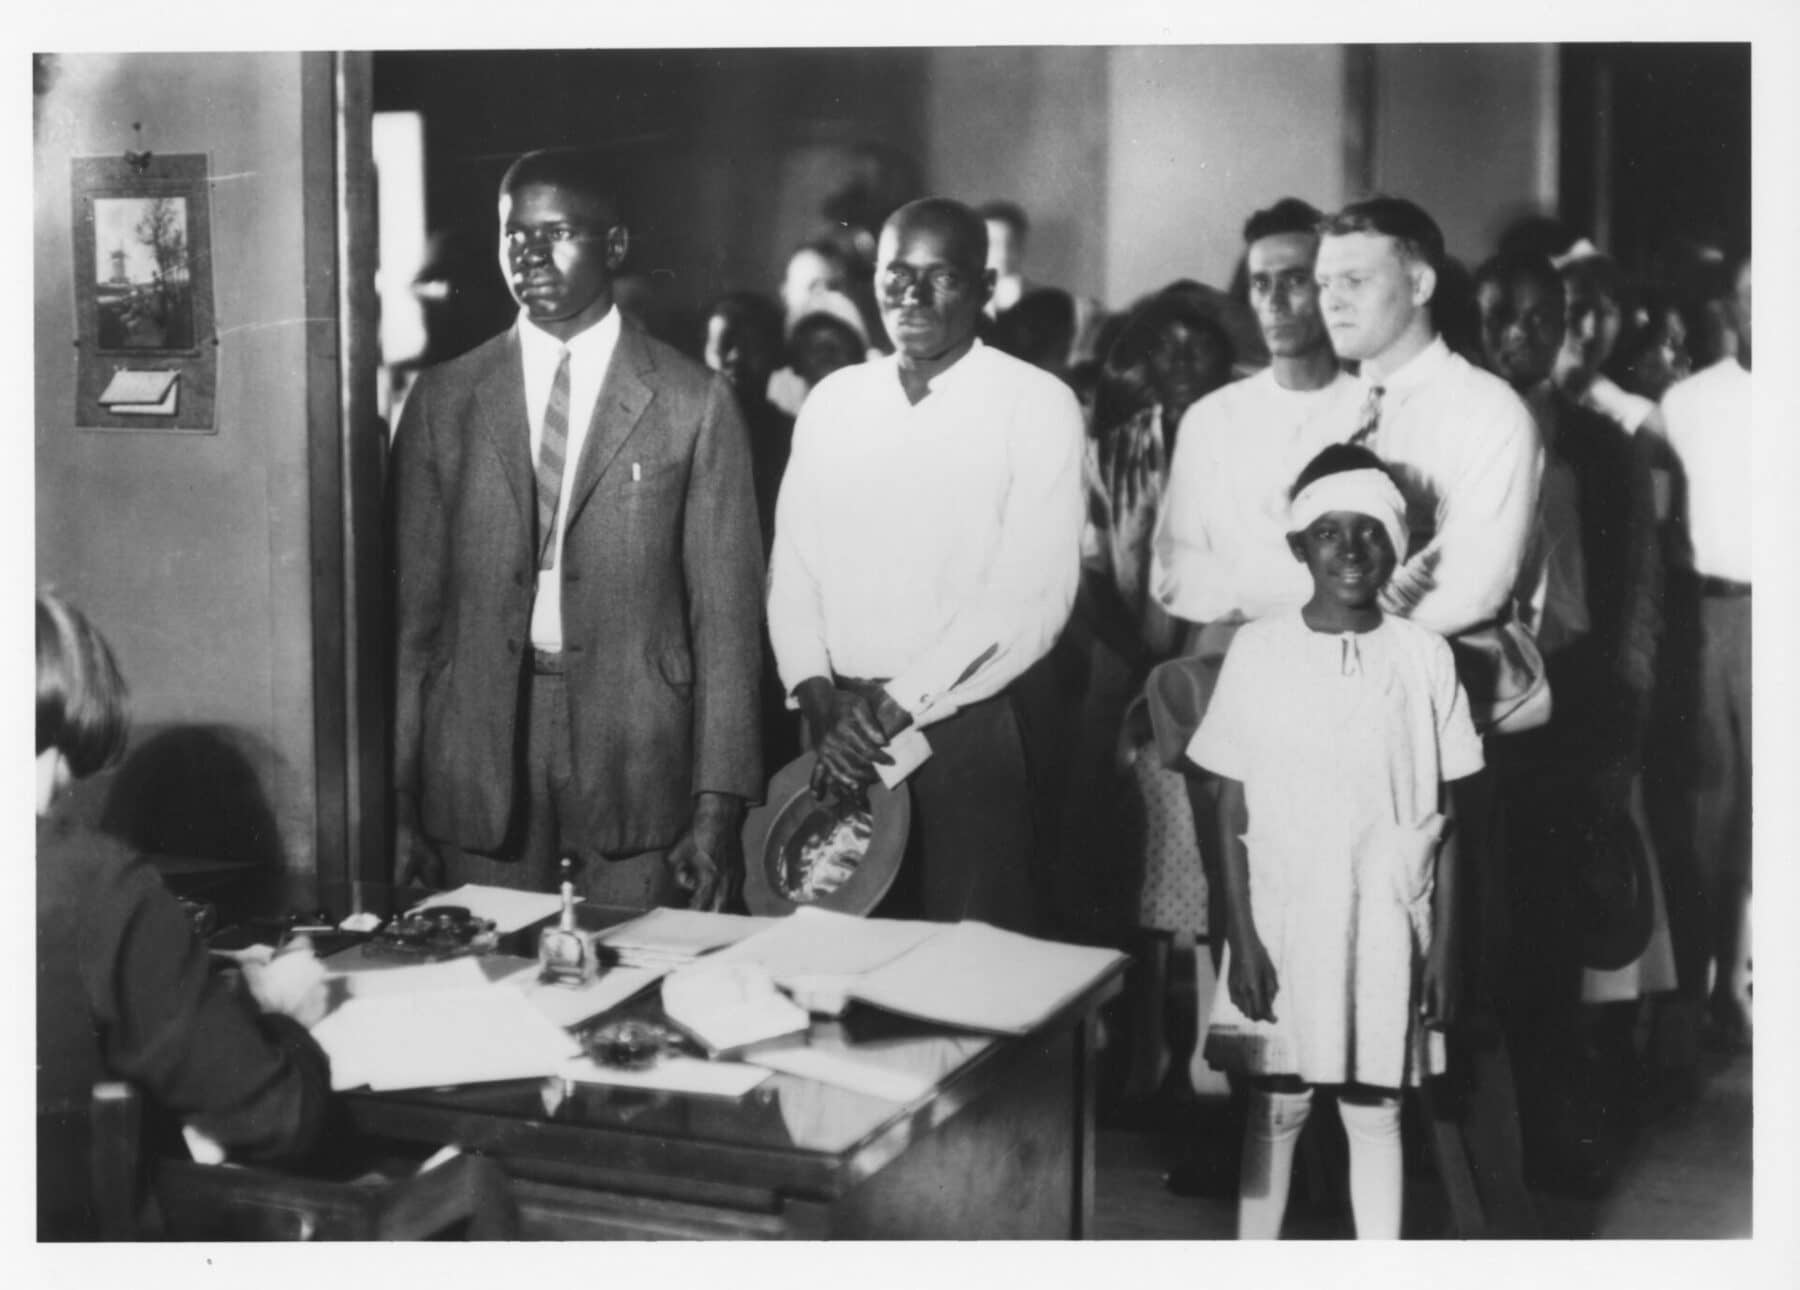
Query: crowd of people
point(1378, 628)
point(1567, 444)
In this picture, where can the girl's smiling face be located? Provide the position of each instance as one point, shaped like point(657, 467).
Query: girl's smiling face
point(1350, 558)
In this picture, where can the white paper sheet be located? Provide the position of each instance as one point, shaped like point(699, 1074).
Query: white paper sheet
point(409, 978)
point(822, 943)
point(682, 932)
point(672, 1075)
point(571, 1005)
point(980, 977)
point(509, 910)
point(439, 1037)
point(729, 1005)
point(841, 1069)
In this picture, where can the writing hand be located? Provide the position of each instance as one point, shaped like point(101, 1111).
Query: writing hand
point(291, 983)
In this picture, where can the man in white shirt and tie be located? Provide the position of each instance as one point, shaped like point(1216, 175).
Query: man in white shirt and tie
point(1467, 455)
point(926, 555)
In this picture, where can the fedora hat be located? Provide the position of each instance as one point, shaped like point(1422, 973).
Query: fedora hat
point(801, 851)
point(1616, 907)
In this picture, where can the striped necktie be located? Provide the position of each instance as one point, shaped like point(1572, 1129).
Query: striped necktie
point(553, 448)
point(1370, 421)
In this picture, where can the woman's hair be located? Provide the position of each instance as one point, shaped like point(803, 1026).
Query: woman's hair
point(1125, 388)
point(81, 698)
point(1336, 460)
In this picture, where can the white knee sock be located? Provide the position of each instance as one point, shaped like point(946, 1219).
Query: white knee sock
point(1270, 1132)
point(1373, 1131)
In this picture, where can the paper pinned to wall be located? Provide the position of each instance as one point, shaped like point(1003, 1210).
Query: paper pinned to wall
point(141, 393)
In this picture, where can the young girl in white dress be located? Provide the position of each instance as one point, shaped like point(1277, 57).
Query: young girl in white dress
point(1334, 730)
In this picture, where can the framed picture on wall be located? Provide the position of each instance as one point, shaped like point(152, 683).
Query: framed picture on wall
point(143, 293)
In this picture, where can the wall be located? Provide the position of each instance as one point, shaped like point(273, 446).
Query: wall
point(191, 552)
point(1198, 138)
point(1027, 125)
point(1470, 133)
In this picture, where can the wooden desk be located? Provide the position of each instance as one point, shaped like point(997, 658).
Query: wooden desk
point(1002, 1146)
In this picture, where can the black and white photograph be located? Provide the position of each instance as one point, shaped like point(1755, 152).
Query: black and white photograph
point(142, 285)
point(993, 638)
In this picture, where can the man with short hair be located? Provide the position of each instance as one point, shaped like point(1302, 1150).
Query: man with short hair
point(1464, 445)
point(1468, 458)
point(1590, 590)
point(926, 554)
point(1709, 427)
point(578, 584)
point(1007, 229)
point(1220, 554)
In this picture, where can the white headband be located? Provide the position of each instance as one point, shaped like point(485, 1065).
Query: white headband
point(1367, 492)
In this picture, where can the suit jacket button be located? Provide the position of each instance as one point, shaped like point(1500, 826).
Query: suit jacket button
point(571, 575)
point(519, 579)
point(512, 645)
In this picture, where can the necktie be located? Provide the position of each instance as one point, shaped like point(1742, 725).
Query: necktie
point(1370, 421)
point(552, 450)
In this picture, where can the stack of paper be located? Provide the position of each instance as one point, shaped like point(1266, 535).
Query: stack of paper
point(814, 943)
point(965, 974)
point(430, 1038)
point(672, 938)
point(982, 978)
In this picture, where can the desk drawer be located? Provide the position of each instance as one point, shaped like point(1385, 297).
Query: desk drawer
point(550, 1212)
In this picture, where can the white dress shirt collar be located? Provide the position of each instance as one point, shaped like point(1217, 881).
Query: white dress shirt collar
point(594, 345)
point(1418, 370)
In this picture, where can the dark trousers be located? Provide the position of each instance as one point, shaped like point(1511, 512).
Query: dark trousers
point(1719, 804)
point(546, 796)
point(1473, 1110)
point(969, 853)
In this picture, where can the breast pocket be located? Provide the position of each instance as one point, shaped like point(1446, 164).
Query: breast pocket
point(641, 481)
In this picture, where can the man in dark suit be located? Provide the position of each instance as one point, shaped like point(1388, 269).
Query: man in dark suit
point(579, 584)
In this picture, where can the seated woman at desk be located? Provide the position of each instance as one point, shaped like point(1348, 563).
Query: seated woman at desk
point(124, 988)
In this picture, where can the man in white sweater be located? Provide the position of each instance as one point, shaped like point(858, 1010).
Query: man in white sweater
point(926, 552)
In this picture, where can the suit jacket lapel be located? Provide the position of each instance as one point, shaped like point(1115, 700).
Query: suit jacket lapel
point(624, 395)
point(505, 421)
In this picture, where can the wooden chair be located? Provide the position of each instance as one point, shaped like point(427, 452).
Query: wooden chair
point(466, 1195)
